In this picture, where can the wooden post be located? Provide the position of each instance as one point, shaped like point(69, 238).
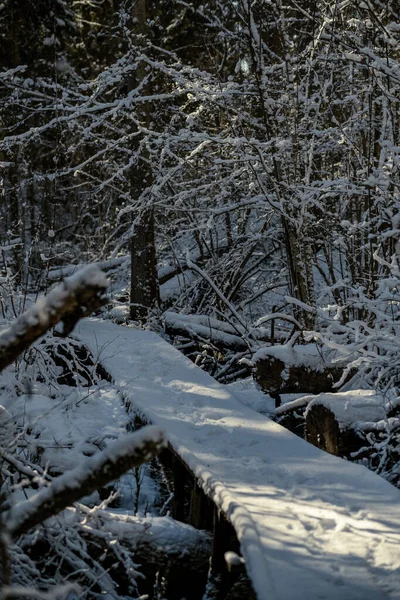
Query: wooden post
point(201, 509)
point(224, 540)
point(179, 476)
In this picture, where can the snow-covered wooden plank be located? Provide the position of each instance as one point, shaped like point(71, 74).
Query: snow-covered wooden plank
point(310, 525)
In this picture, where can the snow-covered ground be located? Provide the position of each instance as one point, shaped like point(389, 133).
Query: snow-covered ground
point(63, 432)
point(310, 525)
point(247, 391)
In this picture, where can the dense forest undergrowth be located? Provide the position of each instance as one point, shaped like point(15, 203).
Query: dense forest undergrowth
point(234, 169)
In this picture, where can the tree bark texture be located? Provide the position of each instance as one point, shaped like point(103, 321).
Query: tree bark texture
point(144, 280)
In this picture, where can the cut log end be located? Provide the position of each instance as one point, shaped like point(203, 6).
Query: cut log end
point(322, 429)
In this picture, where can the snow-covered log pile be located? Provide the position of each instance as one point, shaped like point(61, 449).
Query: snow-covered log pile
point(289, 369)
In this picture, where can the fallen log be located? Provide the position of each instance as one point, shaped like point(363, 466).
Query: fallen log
point(58, 273)
point(205, 329)
point(158, 542)
point(333, 420)
point(134, 551)
point(287, 369)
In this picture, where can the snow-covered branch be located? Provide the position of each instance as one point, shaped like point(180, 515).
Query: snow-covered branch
point(199, 327)
point(97, 471)
point(77, 297)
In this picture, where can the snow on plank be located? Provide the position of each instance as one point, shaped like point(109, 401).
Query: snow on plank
point(310, 525)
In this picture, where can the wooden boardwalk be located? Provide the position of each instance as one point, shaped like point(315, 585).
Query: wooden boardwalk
point(310, 525)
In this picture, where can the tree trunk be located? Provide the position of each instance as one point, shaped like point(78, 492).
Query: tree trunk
point(144, 282)
point(299, 256)
point(144, 294)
